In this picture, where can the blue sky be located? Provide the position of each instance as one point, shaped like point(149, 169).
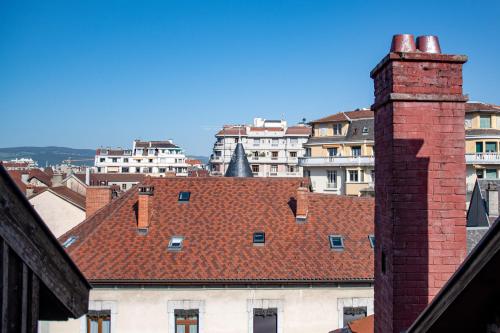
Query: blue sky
point(89, 73)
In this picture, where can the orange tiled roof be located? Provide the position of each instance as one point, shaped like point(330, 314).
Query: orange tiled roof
point(17, 178)
point(218, 224)
point(232, 131)
point(478, 106)
point(363, 325)
point(345, 116)
point(41, 176)
point(299, 130)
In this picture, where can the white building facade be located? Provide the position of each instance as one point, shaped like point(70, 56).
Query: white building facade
point(155, 158)
point(273, 149)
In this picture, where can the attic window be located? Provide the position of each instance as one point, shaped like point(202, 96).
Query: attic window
point(175, 243)
point(336, 242)
point(184, 196)
point(372, 240)
point(69, 241)
point(259, 237)
point(365, 130)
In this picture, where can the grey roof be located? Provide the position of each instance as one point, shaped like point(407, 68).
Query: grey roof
point(354, 133)
point(239, 167)
point(155, 144)
point(484, 184)
point(474, 235)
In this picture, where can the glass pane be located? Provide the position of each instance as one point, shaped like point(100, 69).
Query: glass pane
point(180, 329)
point(106, 326)
point(93, 326)
point(491, 173)
point(193, 329)
point(479, 147)
point(485, 122)
point(491, 147)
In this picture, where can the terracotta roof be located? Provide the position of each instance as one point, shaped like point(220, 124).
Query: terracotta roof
point(69, 195)
point(298, 130)
point(363, 325)
point(232, 131)
point(198, 173)
point(478, 106)
point(16, 176)
point(10, 164)
point(217, 225)
point(345, 116)
point(41, 176)
point(193, 162)
point(99, 178)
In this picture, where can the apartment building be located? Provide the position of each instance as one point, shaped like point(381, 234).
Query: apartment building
point(273, 149)
point(339, 155)
point(155, 158)
point(482, 140)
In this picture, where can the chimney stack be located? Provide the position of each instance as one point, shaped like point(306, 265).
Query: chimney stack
point(492, 200)
point(96, 197)
point(144, 206)
point(420, 171)
point(302, 204)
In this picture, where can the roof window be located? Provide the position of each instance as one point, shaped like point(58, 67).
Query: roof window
point(336, 242)
point(365, 130)
point(69, 241)
point(184, 196)
point(175, 243)
point(259, 237)
point(372, 240)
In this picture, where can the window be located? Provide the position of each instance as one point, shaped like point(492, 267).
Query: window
point(150, 160)
point(99, 321)
point(308, 152)
point(294, 141)
point(323, 131)
point(137, 170)
point(274, 155)
point(125, 160)
point(255, 168)
point(332, 152)
point(365, 130)
point(186, 321)
point(124, 186)
point(293, 154)
point(356, 151)
point(479, 147)
point(353, 176)
point(332, 179)
point(259, 237)
point(337, 129)
point(274, 168)
point(69, 241)
point(336, 242)
point(184, 196)
point(256, 154)
point(256, 142)
point(114, 159)
point(162, 170)
point(491, 147)
point(175, 243)
point(480, 173)
point(125, 169)
point(265, 320)
point(274, 142)
point(291, 168)
point(491, 173)
point(102, 159)
point(485, 121)
point(354, 313)
point(371, 238)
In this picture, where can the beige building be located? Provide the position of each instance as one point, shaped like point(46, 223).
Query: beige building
point(482, 142)
point(339, 156)
point(273, 149)
point(224, 255)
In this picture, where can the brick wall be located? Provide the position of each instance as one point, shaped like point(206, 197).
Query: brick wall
point(420, 182)
point(96, 197)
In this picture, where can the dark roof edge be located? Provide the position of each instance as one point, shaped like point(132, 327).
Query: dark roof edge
point(487, 247)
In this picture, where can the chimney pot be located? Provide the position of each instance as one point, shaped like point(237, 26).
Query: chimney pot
point(403, 43)
point(428, 44)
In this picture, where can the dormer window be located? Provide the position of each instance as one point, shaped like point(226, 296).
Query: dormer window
point(371, 238)
point(175, 243)
point(365, 130)
point(337, 129)
point(259, 237)
point(184, 196)
point(336, 242)
point(69, 241)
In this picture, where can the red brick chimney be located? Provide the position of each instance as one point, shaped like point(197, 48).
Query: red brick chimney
point(96, 197)
point(144, 206)
point(420, 172)
point(302, 204)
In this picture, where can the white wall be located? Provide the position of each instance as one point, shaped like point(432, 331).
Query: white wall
point(57, 213)
point(221, 310)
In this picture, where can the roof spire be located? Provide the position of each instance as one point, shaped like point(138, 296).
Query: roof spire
point(238, 166)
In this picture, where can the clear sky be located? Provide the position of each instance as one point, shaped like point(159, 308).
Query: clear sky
point(89, 73)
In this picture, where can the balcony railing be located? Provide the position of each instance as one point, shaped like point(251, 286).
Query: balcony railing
point(337, 161)
point(482, 158)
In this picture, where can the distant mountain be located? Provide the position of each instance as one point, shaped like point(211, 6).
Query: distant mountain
point(203, 159)
point(49, 155)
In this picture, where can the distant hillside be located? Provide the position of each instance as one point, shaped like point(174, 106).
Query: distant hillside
point(49, 155)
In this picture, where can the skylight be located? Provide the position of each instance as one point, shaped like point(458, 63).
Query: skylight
point(365, 130)
point(372, 240)
point(184, 196)
point(336, 242)
point(175, 243)
point(259, 237)
point(69, 241)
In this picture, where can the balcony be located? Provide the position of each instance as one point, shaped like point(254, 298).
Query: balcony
point(482, 158)
point(337, 161)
